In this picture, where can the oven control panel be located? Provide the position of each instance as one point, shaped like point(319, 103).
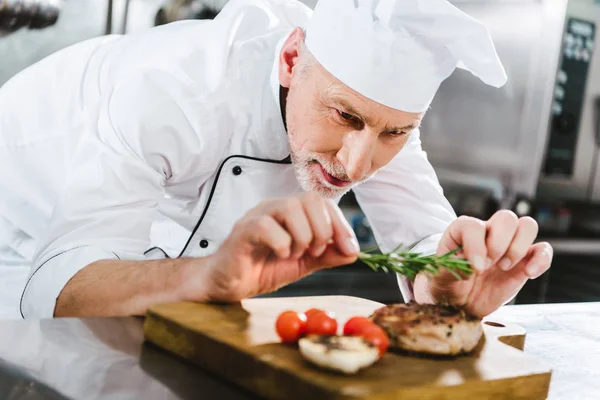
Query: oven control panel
point(577, 50)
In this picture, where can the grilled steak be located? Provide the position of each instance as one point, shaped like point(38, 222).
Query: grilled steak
point(429, 329)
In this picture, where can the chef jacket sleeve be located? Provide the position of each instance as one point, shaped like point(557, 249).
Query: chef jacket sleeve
point(404, 204)
point(141, 137)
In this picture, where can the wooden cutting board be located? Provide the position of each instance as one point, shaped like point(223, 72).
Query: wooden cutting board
point(239, 343)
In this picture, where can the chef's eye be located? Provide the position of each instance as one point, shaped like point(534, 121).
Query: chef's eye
point(395, 134)
point(350, 119)
point(347, 116)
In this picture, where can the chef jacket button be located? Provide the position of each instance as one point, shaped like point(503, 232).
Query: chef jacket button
point(204, 243)
point(237, 170)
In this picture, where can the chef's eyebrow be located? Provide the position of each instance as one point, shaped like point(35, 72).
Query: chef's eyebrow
point(347, 107)
point(408, 127)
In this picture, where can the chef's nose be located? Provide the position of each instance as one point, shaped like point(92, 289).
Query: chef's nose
point(356, 154)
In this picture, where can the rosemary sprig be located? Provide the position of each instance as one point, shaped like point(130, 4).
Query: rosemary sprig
point(410, 264)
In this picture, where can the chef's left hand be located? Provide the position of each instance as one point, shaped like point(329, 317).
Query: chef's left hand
point(504, 255)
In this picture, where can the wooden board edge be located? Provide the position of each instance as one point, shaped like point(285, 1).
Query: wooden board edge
point(530, 387)
point(516, 341)
point(513, 335)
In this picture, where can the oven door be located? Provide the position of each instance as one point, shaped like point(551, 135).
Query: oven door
point(481, 135)
point(570, 169)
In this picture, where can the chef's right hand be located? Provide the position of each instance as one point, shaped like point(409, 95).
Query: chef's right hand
point(275, 244)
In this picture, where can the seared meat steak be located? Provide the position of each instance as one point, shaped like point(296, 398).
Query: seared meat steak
point(429, 329)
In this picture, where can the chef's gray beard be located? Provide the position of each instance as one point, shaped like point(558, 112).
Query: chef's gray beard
point(304, 166)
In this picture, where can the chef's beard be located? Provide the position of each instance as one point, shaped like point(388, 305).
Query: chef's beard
point(305, 166)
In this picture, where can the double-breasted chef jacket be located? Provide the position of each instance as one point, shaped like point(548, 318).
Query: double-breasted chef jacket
point(154, 144)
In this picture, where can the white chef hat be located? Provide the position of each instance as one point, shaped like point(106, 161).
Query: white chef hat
point(398, 52)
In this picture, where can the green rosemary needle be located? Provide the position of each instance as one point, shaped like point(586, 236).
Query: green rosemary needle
point(410, 264)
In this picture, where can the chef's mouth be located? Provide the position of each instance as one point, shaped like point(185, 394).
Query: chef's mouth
point(332, 180)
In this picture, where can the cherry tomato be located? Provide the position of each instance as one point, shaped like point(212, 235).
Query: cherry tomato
point(321, 323)
point(290, 326)
point(355, 326)
point(312, 311)
point(377, 336)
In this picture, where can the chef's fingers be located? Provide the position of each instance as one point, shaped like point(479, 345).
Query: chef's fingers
point(343, 235)
point(469, 233)
point(332, 257)
point(501, 228)
point(266, 231)
point(538, 260)
point(527, 231)
point(320, 222)
point(290, 213)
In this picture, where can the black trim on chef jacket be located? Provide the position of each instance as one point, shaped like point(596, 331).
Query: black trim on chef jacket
point(286, 160)
point(157, 248)
point(38, 268)
point(237, 170)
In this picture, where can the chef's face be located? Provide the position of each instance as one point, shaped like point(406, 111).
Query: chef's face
point(338, 138)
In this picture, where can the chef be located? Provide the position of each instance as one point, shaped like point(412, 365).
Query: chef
point(203, 160)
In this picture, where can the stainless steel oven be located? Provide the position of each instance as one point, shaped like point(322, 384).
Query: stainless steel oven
point(570, 169)
point(538, 135)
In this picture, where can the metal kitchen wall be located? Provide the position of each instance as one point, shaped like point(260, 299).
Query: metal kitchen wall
point(78, 20)
point(82, 19)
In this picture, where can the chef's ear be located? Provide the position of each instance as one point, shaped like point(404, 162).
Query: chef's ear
point(289, 57)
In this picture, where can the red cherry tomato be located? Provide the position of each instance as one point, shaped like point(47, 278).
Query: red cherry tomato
point(312, 311)
point(355, 326)
point(290, 326)
point(321, 323)
point(377, 336)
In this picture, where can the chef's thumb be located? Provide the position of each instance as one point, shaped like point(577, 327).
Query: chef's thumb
point(343, 235)
point(331, 258)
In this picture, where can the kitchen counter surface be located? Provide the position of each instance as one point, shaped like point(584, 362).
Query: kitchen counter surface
point(107, 359)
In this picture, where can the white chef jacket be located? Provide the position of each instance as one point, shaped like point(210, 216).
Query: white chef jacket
point(152, 145)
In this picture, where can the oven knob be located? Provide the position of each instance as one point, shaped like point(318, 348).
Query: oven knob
point(565, 123)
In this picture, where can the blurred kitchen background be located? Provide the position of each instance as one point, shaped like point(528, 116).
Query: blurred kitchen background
point(531, 147)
